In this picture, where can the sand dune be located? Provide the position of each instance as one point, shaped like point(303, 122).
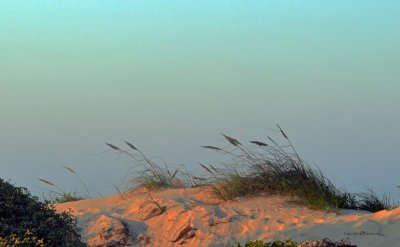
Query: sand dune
point(192, 217)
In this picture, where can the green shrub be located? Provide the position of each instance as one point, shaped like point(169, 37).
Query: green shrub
point(279, 243)
point(25, 221)
point(257, 243)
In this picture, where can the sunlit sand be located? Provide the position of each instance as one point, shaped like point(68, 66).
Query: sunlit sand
point(192, 217)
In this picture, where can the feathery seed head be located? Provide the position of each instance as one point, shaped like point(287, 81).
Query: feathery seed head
point(231, 140)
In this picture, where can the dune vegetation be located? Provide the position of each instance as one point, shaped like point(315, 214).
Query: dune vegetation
point(26, 221)
point(265, 167)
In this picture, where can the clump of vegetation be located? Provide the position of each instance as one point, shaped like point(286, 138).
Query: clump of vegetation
point(147, 173)
point(61, 196)
point(26, 221)
point(278, 169)
point(279, 243)
point(68, 197)
point(267, 167)
point(326, 242)
point(372, 202)
point(291, 243)
point(260, 243)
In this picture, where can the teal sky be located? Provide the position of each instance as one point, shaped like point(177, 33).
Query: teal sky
point(170, 76)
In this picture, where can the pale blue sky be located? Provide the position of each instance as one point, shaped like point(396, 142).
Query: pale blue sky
point(171, 76)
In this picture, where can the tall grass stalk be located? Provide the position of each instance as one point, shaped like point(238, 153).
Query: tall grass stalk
point(79, 178)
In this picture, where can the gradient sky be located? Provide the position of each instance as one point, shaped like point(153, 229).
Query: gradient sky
point(170, 76)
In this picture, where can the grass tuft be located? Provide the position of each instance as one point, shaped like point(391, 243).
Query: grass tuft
point(61, 196)
point(278, 169)
point(67, 197)
point(372, 202)
point(151, 175)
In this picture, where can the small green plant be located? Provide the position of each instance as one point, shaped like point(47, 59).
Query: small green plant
point(60, 196)
point(26, 221)
point(257, 243)
point(68, 197)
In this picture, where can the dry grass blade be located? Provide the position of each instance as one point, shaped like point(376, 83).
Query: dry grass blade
point(176, 172)
point(130, 145)
point(70, 169)
point(46, 182)
point(113, 147)
point(290, 144)
point(231, 140)
point(206, 168)
point(119, 192)
point(283, 133)
point(199, 178)
point(162, 209)
point(212, 148)
point(215, 169)
point(275, 143)
point(51, 184)
point(261, 144)
point(80, 179)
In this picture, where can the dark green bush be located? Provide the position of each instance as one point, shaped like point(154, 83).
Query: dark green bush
point(257, 243)
point(25, 221)
point(279, 243)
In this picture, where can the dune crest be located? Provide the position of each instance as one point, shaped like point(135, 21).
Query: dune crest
point(192, 217)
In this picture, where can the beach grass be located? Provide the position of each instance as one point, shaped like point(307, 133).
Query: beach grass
point(272, 168)
point(58, 195)
point(261, 167)
point(154, 176)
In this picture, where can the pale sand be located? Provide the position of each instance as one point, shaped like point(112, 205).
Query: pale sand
point(192, 217)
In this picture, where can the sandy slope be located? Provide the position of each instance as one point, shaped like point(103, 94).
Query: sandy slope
point(191, 217)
